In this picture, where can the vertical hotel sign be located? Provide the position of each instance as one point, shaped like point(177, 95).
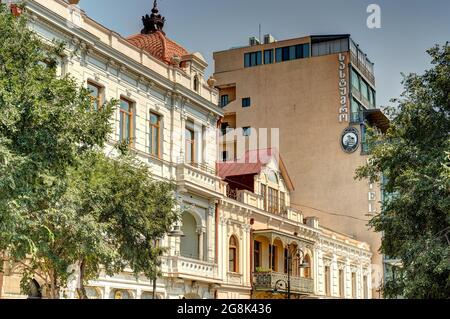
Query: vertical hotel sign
point(343, 89)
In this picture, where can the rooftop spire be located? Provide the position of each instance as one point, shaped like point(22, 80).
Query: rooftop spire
point(154, 22)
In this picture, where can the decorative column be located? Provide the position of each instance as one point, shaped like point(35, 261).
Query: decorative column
point(107, 291)
point(201, 230)
point(210, 225)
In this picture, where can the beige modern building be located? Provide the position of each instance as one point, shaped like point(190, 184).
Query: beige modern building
point(319, 91)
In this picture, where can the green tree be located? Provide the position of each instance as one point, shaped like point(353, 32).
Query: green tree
point(123, 211)
point(413, 159)
point(62, 201)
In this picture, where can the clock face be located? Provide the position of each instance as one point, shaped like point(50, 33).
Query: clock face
point(350, 140)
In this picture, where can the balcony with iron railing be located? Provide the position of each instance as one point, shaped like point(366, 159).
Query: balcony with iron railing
point(266, 281)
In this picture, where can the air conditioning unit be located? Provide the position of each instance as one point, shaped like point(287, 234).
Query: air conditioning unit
point(268, 38)
point(254, 41)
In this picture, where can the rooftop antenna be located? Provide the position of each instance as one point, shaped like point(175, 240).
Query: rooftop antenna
point(260, 39)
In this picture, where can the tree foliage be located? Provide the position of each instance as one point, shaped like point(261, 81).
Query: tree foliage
point(63, 203)
point(413, 158)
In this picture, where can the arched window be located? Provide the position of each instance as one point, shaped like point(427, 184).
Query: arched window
point(34, 290)
point(307, 270)
point(233, 254)
point(190, 243)
point(196, 83)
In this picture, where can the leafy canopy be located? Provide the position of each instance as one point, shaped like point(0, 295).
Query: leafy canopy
point(64, 205)
point(413, 158)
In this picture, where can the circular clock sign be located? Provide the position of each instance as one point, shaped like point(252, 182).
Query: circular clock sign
point(350, 140)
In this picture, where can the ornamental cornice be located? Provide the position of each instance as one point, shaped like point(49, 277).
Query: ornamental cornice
point(59, 24)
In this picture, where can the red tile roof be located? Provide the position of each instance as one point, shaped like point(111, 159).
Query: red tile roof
point(252, 163)
point(158, 45)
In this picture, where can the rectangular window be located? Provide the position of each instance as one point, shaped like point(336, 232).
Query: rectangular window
point(246, 102)
point(252, 59)
point(355, 110)
point(292, 52)
point(364, 90)
point(247, 131)
point(371, 97)
point(299, 51)
point(96, 93)
point(355, 80)
point(126, 121)
point(327, 281)
point(224, 156)
point(189, 137)
point(224, 100)
point(247, 60)
point(257, 254)
point(286, 53)
point(279, 55)
point(306, 50)
point(272, 201)
point(268, 56)
point(155, 131)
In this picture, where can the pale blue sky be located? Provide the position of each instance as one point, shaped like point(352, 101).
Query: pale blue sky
point(409, 27)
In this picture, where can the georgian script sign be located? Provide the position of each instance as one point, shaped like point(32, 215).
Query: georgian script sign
point(343, 109)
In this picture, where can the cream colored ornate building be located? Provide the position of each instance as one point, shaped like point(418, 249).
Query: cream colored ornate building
point(267, 239)
point(235, 238)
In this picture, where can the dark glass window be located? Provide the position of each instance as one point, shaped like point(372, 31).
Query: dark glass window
point(246, 102)
point(279, 55)
point(224, 100)
point(268, 56)
point(286, 54)
point(355, 80)
point(252, 59)
point(247, 60)
point(247, 131)
point(293, 52)
point(364, 90)
point(306, 50)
